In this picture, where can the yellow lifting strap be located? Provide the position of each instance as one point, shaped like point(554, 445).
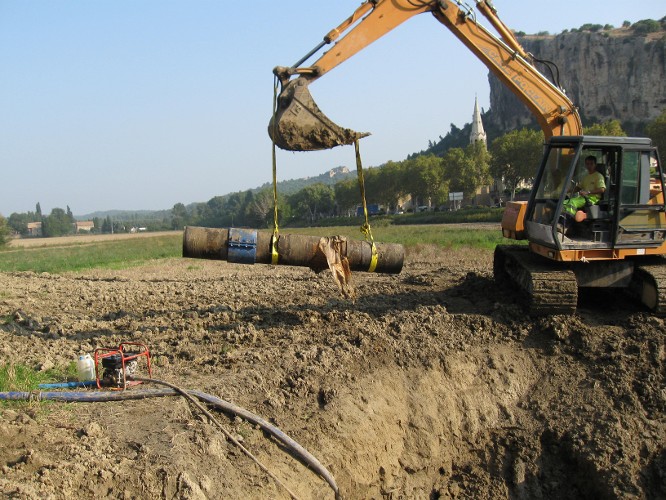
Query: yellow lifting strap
point(274, 239)
point(365, 228)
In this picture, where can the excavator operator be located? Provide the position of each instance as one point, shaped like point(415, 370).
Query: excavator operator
point(590, 191)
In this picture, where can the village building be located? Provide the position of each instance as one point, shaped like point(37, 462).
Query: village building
point(34, 228)
point(84, 226)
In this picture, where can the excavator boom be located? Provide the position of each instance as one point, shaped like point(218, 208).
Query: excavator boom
point(299, 125)
point(599, 249)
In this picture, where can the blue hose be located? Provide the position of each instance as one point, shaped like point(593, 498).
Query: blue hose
point(62, 385)
point(85, 397)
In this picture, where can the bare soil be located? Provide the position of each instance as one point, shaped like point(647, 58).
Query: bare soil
point(433, 384)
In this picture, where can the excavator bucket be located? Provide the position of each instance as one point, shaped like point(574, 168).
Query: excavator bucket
point(299, 124)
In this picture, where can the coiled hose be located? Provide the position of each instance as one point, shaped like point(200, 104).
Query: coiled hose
point(105, 396)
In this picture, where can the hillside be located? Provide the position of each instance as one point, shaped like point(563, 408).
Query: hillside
point(286, 187)
point(328, 178)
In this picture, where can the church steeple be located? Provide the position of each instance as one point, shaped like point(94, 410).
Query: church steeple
point(477, 134)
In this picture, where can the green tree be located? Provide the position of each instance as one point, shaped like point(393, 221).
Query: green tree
point(178, 216)
point(424, 178)
point(391, 185)
point(516, 156)
point(19, 222)
point(70, 215)
point(468, 169)
point(107, 225)
point(57, 223)
point(38, 211)
point(591, 27)
point(347, 196)
point(232, 211)
point(454, 164)
point(214, 212)
point(313, 201)
point(656, 130)
point(646, 26)
point(480, 157)
point(610, 128)
point(4, 232)
point(259, 212)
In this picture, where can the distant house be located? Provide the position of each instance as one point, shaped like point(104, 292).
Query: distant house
point(84, 226)
point(34, 228)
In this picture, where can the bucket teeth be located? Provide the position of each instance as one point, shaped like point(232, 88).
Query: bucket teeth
point(299, 124)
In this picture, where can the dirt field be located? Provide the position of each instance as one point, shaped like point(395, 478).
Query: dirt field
point(80, 239)
point(433, 384)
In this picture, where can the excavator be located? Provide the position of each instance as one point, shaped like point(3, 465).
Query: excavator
point(618, 240)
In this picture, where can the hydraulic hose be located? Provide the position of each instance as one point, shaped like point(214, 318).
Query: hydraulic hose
point(105, 396)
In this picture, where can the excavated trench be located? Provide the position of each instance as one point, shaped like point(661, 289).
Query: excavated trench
point(463, 428)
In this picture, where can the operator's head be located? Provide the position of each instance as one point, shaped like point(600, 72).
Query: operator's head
point(591, 163)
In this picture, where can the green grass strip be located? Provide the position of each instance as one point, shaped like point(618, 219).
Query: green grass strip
point(116, 254)
point(19, 377)
point(411, 236)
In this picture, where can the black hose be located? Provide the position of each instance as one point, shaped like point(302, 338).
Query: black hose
point(298, 450)
point(104, 396)
point(214, 421)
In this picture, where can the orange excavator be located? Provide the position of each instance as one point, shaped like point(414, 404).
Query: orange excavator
point(616, 239)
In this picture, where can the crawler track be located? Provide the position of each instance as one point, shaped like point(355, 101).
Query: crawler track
point(649, 285)
point(551, 289)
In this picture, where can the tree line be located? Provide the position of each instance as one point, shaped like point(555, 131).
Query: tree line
point(428, 178)
point(61, 222)
point(58, 223)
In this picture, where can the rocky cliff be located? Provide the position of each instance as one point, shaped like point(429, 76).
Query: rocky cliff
point(609, 75)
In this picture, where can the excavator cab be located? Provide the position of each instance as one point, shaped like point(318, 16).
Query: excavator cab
point(630, 212)
point(616, 241)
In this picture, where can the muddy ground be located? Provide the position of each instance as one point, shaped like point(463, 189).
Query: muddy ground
point(434, 384)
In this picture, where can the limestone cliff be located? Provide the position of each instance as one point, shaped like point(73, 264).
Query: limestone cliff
point(608, 75)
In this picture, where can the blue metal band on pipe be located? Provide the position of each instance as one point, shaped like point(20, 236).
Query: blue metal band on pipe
point(242, 245)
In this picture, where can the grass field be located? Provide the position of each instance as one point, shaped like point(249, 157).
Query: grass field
point(56, 255)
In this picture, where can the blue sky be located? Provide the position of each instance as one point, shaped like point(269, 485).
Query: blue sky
point(141, 104)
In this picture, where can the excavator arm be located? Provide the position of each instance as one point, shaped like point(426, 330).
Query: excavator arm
point(299, 125)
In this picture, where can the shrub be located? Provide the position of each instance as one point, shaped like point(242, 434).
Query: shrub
point(4, 231)
point(646, 26)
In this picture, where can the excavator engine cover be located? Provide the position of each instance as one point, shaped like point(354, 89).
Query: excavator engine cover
point(299, 124)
